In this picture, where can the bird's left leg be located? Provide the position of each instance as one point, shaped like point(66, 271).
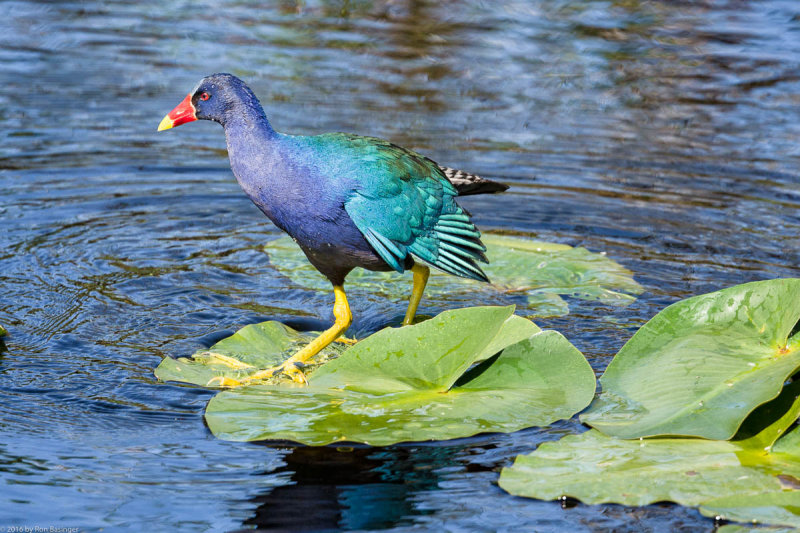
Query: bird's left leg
point(421, 273)
point(292, 366)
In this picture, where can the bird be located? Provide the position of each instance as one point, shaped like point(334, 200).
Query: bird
point(347, 200)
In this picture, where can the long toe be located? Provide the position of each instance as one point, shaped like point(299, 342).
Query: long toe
point(222, 381)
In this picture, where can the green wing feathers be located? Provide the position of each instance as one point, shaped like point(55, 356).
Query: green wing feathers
point(459, 246)
point(404, 204)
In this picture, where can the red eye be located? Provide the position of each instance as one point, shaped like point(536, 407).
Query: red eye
point(204, 96)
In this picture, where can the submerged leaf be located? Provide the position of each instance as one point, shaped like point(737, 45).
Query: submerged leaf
point(701, 365)
point(412, 384)
point(731, 479)
point(738, 528)
point(779, 508)
point(539, 271)
point(595, 468)
point(540, 268)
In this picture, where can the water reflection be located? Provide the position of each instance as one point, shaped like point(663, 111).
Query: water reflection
point(332, 489)
point(422, 488)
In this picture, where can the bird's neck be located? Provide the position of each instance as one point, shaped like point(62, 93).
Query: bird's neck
point(252, 145)
point(247, 123)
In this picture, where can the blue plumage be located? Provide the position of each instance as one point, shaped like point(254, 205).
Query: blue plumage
point(348, 201)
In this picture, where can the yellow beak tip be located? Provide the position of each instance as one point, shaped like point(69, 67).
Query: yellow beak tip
point(166, 123)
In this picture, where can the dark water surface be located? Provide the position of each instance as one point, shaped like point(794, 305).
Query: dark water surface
point(666, 134)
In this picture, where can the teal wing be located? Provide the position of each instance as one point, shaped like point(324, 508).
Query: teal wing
point(403, 204)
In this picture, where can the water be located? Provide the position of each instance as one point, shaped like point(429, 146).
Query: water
point(663, 133)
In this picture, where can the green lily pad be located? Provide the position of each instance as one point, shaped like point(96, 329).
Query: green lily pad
point(738, 528)
point(250, 349)
point(701, 365)
point(737, 479)
point(540, 271)
point(3, 332)
point(781, 508)
point(420, 383)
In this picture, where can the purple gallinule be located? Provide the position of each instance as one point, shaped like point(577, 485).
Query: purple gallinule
point(348, 201)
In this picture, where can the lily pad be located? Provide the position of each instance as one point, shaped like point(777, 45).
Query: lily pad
point(250, 349)
point(780, 508)
point(420, 383)
point(539, 271)
point(3, 332)
point(737, 480)
point(701, 365)
point(738, 528)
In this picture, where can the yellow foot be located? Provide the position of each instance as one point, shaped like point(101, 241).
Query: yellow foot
point(293, 367)
point(292, 370)
point(345, 340)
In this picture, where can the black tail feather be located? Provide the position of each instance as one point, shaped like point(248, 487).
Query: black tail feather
point(466, 183)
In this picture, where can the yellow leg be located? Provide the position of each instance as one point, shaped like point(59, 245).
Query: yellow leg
point(341, 311)
point(421, 273)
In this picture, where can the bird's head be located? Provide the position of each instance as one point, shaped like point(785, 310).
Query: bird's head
point(215, 98)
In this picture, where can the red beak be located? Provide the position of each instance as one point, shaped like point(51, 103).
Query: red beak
point(180, 115)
